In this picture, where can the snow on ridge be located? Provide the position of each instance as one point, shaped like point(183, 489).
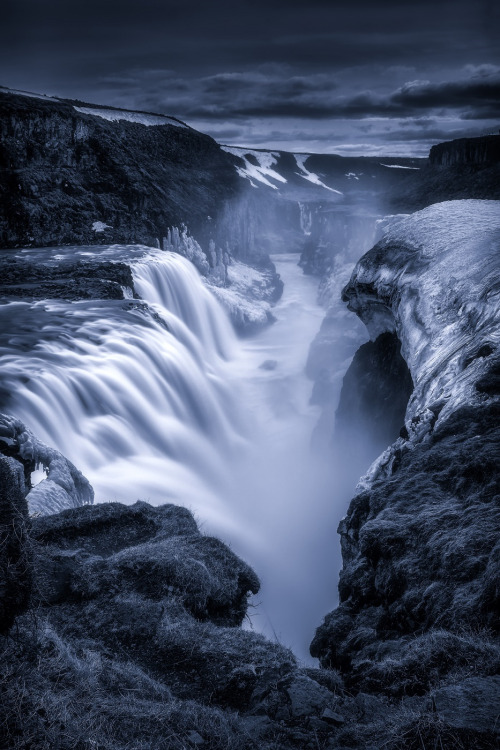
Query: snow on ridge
point(29, 94)
point(260, 171)
point(397, 166)
point(121, 114)
point(310, 176)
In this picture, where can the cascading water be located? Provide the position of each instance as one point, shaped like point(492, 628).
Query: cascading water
point(156, 399)
point(135, 395)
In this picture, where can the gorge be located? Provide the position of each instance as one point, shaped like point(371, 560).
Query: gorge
point(123, 617)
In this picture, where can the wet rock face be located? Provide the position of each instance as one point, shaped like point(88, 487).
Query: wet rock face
point(374, 398)
point(15, 558)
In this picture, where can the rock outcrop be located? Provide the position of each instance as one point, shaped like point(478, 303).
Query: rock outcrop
point(483, 150)
point(136, 643)
point(73, 174)
point(64, 485)
point(419, 591)
point(15, 558)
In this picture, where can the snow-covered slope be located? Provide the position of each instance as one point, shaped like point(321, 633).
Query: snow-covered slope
point(435, 280)
point(319, 176)
point(258, 165)
point(310, 176)
point(112, 115)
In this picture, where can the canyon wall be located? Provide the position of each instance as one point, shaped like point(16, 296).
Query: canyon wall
point(419, 585)
point(472, 151)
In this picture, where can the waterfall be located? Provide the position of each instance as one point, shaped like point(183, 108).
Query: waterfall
point(155, 399)
point(136, 395)
point(305, 218)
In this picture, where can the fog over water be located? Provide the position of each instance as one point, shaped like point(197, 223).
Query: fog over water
point(163, 403)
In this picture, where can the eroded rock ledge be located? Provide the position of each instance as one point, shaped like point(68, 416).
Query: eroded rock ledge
point(434, 281)
point(419, 589)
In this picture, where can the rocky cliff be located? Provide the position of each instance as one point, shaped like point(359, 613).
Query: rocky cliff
point(419, 586)
point(476, 151)
point(83, 175)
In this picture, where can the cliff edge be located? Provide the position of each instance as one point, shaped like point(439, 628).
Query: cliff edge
point(419, 590)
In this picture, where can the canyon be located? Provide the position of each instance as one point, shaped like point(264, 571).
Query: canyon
point(130, 245)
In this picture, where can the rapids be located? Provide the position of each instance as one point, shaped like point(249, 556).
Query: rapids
point(156, 399)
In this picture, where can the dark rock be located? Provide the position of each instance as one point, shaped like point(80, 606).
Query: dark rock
point(195, 739)
point(85, 279)
point(15, 551)
point(331, 717)
point(373, 400)
point(306, 696)
point(269, 364)
point(482, 150)
point(319, 725)
point(471, 704)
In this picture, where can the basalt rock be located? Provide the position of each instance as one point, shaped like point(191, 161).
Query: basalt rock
point(478, 151)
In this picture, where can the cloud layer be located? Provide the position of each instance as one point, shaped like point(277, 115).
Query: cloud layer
point(324, 75)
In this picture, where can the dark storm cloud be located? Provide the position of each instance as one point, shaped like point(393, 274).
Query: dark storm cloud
point(318, 98)
point(257, 66)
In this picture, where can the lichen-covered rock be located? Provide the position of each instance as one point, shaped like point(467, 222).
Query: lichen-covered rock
point(472, 703)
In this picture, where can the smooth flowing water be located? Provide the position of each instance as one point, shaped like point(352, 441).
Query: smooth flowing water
point(161, 402)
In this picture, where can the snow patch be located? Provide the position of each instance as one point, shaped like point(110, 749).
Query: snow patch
point(353, 175)
point(310, 176)
point(120, 114)
point(260, 171)
point(246, 297)
point(397, 166)
point(30, 94)
point(100, 226)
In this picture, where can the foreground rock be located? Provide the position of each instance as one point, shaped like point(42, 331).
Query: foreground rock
point(137, 643)
point(64, 485)
point(419, 587)
point(15, 562)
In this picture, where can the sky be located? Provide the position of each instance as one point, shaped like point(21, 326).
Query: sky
point(352, 77)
